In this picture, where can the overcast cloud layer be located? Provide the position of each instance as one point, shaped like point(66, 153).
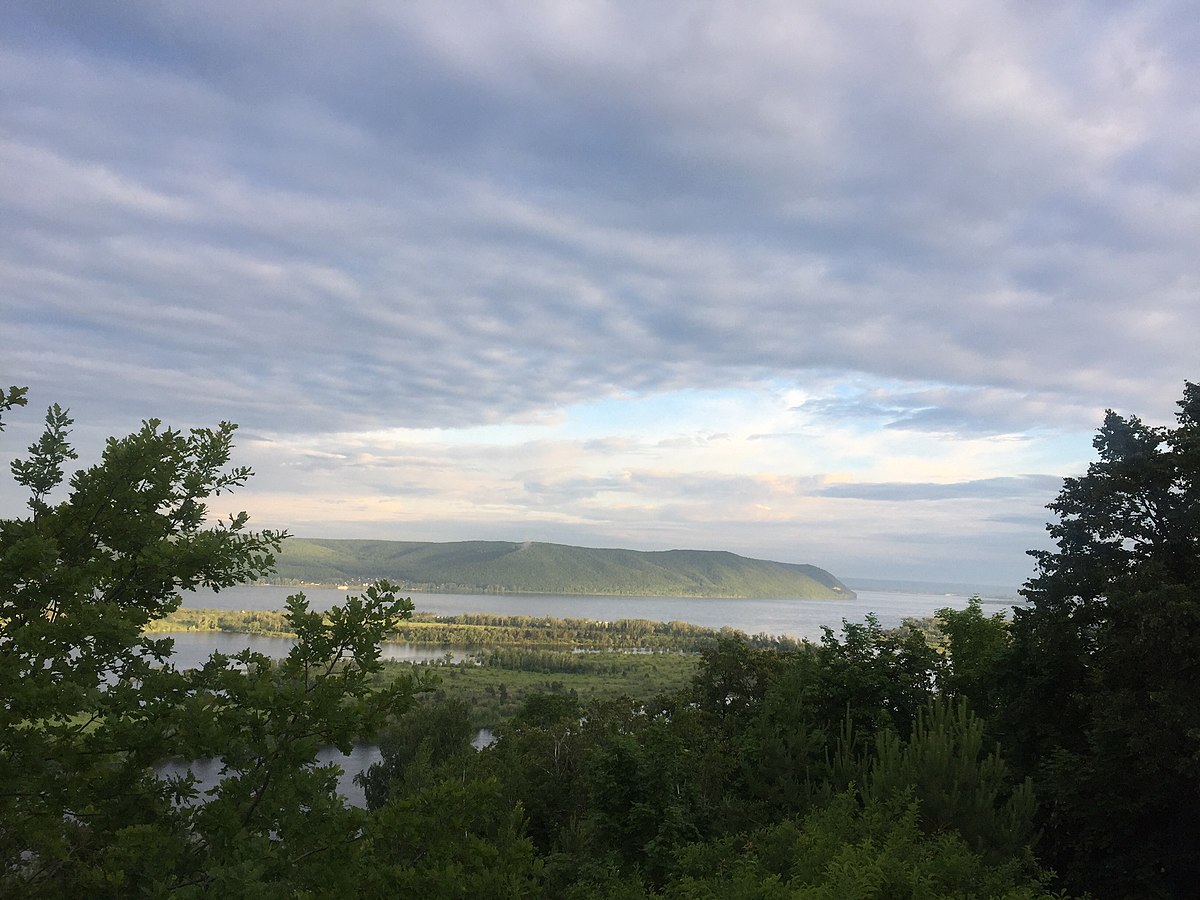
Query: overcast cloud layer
point(813, 282)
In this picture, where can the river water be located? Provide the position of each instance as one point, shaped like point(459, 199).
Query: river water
point(794, 618)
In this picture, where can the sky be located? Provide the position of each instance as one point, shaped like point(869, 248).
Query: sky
point(848, 284)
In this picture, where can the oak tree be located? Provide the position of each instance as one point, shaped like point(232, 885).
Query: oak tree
point(90, 707)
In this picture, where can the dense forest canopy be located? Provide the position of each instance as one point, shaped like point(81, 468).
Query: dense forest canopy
point(1050, 756)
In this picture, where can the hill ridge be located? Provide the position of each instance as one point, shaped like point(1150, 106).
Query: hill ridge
point(538, 567)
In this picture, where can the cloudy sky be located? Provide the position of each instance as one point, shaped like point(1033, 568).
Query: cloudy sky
point(841, 283)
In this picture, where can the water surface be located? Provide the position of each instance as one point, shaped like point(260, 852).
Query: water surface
point(793, 618)
point(193, 648)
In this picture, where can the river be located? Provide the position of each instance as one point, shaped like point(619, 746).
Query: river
point(793, 618)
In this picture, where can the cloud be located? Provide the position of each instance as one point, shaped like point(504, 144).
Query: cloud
point(1022, 486)
point(933, 224)
point(779, 237)
point(953, 411)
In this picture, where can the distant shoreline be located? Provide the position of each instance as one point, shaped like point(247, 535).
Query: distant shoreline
point(988, 593)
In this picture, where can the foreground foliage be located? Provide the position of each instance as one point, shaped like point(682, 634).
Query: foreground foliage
point(92, 707)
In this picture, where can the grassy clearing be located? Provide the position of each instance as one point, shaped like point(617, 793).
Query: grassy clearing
point(494, 692)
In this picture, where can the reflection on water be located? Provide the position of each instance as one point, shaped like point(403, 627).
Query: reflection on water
point(360, 757)
point(193, 648)
point(208, 771)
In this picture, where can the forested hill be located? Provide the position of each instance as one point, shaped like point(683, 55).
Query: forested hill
point(504, 567)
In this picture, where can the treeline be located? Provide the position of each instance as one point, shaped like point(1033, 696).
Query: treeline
point(548, 661)
point(486, 630)
point(599, 662)
point(273, 623)
point(479, 630)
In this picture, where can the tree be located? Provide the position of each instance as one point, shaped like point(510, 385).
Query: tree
point(1105, 681)
point(417, 746)
point(89, 706)
point(850, 848)
point(976, 645)
point(883, 678)
point(1133, 520)
point(733, 677)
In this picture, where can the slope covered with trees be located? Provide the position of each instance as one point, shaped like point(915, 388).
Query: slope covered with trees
point(533, 567)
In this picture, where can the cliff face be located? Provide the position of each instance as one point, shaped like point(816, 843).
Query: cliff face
point(532, 567)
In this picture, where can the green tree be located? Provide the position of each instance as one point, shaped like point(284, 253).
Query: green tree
point(91, 706)
point(538, 758)
point(418, 746)
point(850, 848)
point(880, 679)
point(957, 784)
point(1105, 684)
point(733, 677)
point(976, 645)
point(447, 838)
point(648, 784)
point(884, 678)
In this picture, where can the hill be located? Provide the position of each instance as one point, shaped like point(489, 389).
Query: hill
point(538, 568)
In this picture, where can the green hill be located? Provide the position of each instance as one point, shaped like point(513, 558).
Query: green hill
point(537, 568)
